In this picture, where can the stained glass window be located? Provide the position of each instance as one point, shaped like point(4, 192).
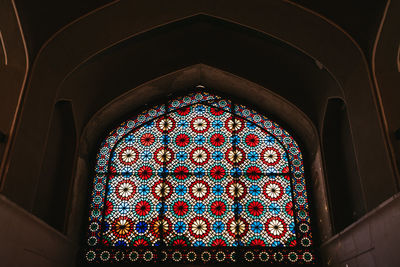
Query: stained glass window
point(199, 179)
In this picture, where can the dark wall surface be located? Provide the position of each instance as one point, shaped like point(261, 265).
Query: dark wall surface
point(345, 190)
point(57, 168)
point(294, 53)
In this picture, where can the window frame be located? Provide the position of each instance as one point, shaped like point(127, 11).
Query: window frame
point(301, 253)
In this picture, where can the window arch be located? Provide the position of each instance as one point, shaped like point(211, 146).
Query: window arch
point(199, 179)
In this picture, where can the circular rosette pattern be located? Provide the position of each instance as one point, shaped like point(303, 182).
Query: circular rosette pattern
point(217, 140)
point(199, 156)
point(162, 190)
point(122, 227)
point(235, 155)
point(165, 124)
point(276, 227)
point(255, 208)
point(160, 226)
point(217, 172)
point(145, 172)
point(128, 155)
point(234, 124)
point(181, 172)
point(141, 227)
point(273, 190)
point(199, 124)
point(147, 139)
point(253, 173)
point(125, 189)
point(237, 227)
point(199, 190)
point(143, 208)
point(180, 209)
point(199, 227)
point(270, 156)
point(218, 208)
point(252, 140)
point(182, 140)
point(236, 190)
point(163, 155)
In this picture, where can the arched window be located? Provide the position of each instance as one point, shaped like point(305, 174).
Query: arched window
point(199, 179)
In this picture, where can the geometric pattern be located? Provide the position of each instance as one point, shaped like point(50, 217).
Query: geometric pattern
point(199, 179)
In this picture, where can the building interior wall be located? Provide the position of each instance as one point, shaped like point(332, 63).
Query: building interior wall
point(305, 72)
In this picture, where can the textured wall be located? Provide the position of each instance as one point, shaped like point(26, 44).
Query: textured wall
point(371, 241)
point(28, 241)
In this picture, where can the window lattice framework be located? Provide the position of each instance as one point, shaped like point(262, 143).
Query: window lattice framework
point(199, 179)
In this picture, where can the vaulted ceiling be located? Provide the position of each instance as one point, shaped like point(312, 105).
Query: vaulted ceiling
point(42, 19)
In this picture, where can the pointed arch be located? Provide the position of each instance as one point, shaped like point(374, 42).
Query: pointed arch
point(204, 173)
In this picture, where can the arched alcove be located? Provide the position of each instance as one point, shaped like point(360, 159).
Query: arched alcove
point(346, 195)
point(57, 169)
point(180, 82)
